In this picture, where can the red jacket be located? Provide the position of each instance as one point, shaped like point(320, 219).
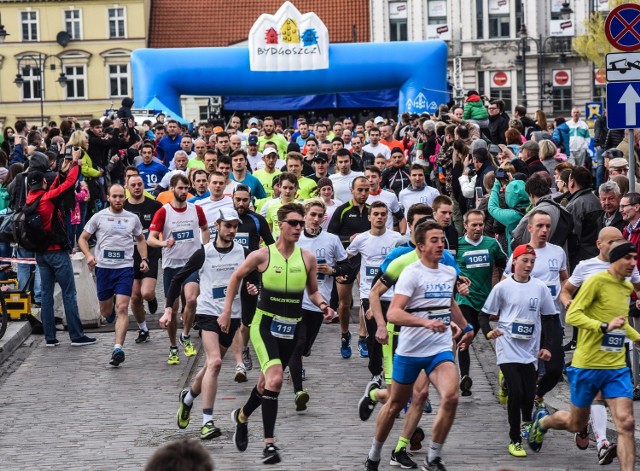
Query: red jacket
point(47, 204)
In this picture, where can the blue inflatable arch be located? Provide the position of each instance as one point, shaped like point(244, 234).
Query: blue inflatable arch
point(417, 70)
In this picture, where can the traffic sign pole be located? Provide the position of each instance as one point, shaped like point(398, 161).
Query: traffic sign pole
point(632, 163)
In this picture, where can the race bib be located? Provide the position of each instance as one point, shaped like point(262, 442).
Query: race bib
point(242, 238)
point(522, 329)
point(183, 236)
point(613, 341)
point(444, 317)
point(113, 255)
point(219, 292)
point(145, 232)
point(283, 328)
point(477, 258)
point(371, 272)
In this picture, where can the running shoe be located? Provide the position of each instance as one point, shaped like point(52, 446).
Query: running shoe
point(52, 343)
point(436, 465)
point(582, 439)
point(366, 405)
point(189, 349)
point(117, 357)
point(246, 359)
point(415, 442)
point(153, 306)
point(241, 374)
point(569, 347)
point(516, 449)
point(465, 385)
point(607, 453)
point(143, 336)
point(524, 430)
point(174, 359)
point(403, 459)
point(371, 465)
point(540, 405)
point(428, 408)
point(378, 379)
point(362, 348)
point(502, 388)
point(241, 434)
point(636, 394)
point(302, 397)
point(345, 346)
point(209, 430)
point(536, 434)
point(184, 411)
point(270, 454)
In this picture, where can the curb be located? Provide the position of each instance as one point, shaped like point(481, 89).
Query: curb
point(16, 334)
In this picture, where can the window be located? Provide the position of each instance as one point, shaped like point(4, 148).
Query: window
point(118, 80)
point(398, 21)
point(73, 23)
point(437, 11)
point(116, 23)
point(480, 18)
point(499, 26)
point(29, 20)
point(31, 88)
point(503, 94)
point(203, 113)
point(562, 101)
point(76, 82)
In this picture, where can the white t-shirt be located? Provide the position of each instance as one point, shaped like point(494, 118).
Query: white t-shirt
point(230, 188)
point(328, 247)
point(408, 197)
point(342, 184)
point(115, 234)
point(254, 160)
point(164, 183)
point(519, 306)
point(374, 249)
point(550, 261)
point(431, 289)
point(594, 265)
point(211, 210)
point(214, 280)
point(391, 200)
point(329, 212)
point(379, 149)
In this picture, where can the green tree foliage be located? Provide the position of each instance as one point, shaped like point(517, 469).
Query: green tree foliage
point(593, 45)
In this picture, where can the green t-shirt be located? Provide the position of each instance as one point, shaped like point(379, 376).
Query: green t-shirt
point(476, 262)
point(195, 163)
point(278, 139)
point(306, 187)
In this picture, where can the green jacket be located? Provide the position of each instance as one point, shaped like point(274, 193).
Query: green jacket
point(517, 202)
point(474, 109)
point(87, 167)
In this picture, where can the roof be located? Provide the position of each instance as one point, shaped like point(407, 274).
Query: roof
point(205, 23)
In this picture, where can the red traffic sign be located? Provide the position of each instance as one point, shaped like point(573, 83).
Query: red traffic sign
point(622, 27)
point(561, 77)
point(500, 79)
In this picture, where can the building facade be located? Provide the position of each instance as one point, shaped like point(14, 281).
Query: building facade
point(67, 58)
point(517, 50)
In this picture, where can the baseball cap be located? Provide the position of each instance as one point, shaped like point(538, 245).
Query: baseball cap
point(253, 121)
point(320, 157)
point(252, 140)
point(378, 119)
point(218, 129)
point(523, 249)
point(35, 180)
point(618, 162)
point(254, 130)
point(269, 150)
point(228, 215)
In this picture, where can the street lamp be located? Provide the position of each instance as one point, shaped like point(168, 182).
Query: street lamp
point(39, 62)
point(3, 32)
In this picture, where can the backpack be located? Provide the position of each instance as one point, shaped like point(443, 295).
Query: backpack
point(564, 228)
point(28, 230)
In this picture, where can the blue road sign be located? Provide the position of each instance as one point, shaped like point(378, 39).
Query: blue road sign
point(623, 99)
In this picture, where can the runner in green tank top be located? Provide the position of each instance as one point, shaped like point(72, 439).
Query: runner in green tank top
point(286, 271)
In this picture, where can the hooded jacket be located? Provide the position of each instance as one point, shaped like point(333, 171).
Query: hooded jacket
point(18, 188)
point(585, 208)
point(517, 201)
point(474, 108)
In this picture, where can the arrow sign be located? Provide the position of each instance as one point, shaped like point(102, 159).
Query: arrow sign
point(629, 99)
point(622, 101)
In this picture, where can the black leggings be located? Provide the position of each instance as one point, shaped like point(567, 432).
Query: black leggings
point(464, 359)
point(374, 347)
point(553, 367)
point(306, 334)
point(521, 383)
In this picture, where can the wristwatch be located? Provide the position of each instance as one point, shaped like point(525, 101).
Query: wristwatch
point(145, 260)
point(604, 327)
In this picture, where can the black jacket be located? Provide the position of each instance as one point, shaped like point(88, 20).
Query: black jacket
point(498, 125)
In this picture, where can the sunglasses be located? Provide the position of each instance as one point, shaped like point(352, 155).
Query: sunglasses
point(294, 222)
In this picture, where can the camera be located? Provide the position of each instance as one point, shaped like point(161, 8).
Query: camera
point(501, 174)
